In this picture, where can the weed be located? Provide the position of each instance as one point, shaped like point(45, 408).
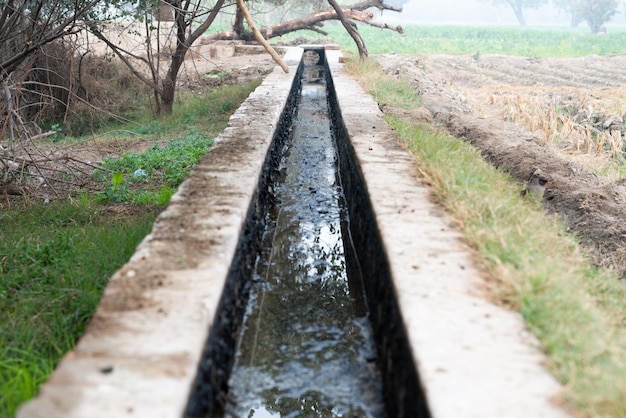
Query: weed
point(117, 191)
point(166, 166)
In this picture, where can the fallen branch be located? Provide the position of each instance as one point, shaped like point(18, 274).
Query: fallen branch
point(385, 26)
point(350, 29)
point(259, 37)
point(313, 22)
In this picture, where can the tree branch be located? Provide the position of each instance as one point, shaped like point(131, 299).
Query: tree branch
point(350, 28)
point(122, 54)
point(259, 37)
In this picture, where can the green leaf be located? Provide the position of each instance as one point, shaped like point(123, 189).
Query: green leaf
point(117, 179)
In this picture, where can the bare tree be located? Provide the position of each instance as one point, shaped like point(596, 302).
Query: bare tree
point(191, 19)
point(26, 26)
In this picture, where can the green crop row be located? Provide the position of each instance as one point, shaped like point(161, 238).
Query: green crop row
point(424, 39)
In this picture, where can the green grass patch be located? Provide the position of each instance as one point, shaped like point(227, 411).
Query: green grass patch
point(577, 311)
point(55, 259)
point(156, 172)
point(54, 262)
point(151, 177)
point(425, 39)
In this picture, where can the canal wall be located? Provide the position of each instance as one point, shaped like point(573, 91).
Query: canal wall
point(146, 351)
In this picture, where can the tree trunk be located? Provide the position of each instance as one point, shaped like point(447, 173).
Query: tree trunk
point(178, 57)
point(350, 28)
point(519, 14)
point(238, 25)
point(168, 85)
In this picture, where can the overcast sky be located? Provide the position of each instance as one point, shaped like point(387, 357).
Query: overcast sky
point(474, 12)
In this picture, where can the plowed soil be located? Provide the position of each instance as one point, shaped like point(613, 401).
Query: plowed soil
point(563, 116)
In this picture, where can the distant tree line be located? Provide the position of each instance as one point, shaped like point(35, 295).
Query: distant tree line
point(596, 13)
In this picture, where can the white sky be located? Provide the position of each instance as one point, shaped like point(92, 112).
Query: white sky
point(474, 12)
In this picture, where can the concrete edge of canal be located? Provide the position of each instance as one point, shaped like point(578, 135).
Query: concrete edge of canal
point(139, 356)
point(474, 358)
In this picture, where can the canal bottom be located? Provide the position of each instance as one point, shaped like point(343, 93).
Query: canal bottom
point(306, 348)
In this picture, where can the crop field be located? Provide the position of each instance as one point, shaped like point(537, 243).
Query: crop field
point(528, 42)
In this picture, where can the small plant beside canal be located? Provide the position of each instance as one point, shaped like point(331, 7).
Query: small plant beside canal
point(152, 176)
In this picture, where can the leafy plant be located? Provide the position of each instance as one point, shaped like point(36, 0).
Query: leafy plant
point(215, 75)
point(116, 191)
point(58, 132)
point(163, 167)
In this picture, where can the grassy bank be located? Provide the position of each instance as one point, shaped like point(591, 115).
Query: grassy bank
point(54, 262)
point(56, 258)
point(576, 311)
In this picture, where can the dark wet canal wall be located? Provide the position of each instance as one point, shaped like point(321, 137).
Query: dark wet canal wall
point(386, 370)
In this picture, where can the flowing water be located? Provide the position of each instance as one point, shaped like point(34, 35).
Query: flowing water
point(306, 347)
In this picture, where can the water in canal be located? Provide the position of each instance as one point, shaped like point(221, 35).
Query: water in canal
point(306, 347)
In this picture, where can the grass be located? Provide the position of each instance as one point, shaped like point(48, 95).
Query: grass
point(576, 311)
point(156, 172)
point(151, 177)
point(55, 259)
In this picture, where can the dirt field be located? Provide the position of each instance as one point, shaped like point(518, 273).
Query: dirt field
point(563, 116)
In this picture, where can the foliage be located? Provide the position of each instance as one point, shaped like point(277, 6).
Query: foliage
point(54, 262)
point(568, 7)
point(518, 7)
point(524, 4)
point(166, 165)
point(595, 12)
point(81, 97)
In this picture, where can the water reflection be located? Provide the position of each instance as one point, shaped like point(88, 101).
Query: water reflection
point(304, 351)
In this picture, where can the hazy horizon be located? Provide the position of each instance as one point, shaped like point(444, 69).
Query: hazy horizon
point(475, 12)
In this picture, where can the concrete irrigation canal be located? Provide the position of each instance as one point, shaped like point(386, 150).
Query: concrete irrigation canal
point(310, 277)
